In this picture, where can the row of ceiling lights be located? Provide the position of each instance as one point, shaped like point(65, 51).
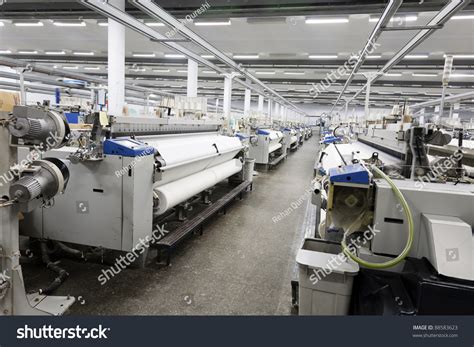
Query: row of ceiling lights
point(224, 22)
point(237, 55)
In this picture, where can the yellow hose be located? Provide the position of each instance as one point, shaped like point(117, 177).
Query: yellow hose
point(411, 230)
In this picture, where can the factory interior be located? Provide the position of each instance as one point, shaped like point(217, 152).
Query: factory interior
point(211, 157)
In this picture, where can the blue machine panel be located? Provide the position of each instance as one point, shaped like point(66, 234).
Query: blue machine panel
point(262, 132)
point(72, 117)
point(127, 147)
point(331, 139)
point(355, 173)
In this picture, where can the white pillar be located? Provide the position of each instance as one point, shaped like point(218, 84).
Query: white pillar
point(456, 108)
point(116, 63)
point(192, 78)
point(247, 101)
point(227, 96)
point(260, 103)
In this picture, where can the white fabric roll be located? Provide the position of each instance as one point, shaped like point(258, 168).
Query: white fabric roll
point(273, 147)
point(176, 192)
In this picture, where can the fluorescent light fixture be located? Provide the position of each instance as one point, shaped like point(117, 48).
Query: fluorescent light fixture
point(161, 70)
point(29, 24)
point(411, 18)
point(103, 24)
point(92, 68)
point(416, 56)
point(173, 55)
point(265, 72)
point(2, 24)
point(246, 56)
point(213, 23)
point(424, 74)
point(71, 67)
point(83, 53)
point(208, 71)
point(138, 69)
point(182, 71)
point(27, 52)
point(70, 24)
point(54, 52)
point(296, 73)
point(322, 56)
point(154, 24)
point(5, 51)
point(463, 16)
point(462, 56)
point(326, 20)
point(375, 56)
point(143, 55)
point(392, 74)
point(409, 93)
point(207, 56)
point(461, 75)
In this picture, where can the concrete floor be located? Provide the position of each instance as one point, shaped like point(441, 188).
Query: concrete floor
point(242, 265)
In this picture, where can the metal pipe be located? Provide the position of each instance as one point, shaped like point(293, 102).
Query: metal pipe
point(449, 99)
point(388, 13)
point(442, 17)
point(157, 12)
point(140, 27)
point(18, 63)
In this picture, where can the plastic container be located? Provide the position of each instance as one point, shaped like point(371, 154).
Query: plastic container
point(325, 278)
point(249, 165)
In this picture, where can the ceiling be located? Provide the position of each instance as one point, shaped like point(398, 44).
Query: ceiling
point(292, 55)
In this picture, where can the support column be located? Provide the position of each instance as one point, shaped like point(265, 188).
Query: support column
point(260, 104)
point(456, 107)
point(116, 63)
point(269, 112)
point(227, 96)
point(247, 102)
point(192, 78)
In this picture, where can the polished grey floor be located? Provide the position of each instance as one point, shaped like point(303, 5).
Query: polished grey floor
point(242, 265)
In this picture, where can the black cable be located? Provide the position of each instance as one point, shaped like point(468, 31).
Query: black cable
point(62, 274)
point(337, 149)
